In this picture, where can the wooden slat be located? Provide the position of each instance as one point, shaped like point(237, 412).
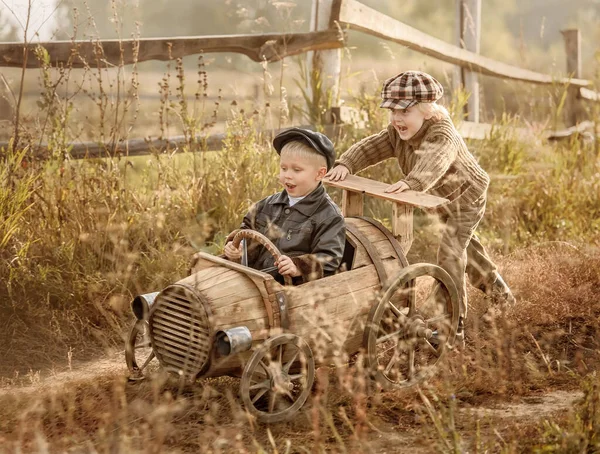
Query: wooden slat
point(237, 312)
point(584, 126)
point(360, 17)
point(352, 203)
point(140, 147)
point(111, 52)
point(402, 225)
point(589, 95)
point(376, 189)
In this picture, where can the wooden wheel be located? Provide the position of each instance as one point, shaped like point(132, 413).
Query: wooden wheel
point(138, 348)
point(409, 329)
point(267, 243)
point(278, 378)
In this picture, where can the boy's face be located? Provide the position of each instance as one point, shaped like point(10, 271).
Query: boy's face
point(300, 175)
point(407, 122)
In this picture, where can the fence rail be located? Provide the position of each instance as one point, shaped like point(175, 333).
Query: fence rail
point(360, 17)
point(113, 52)
point(214, 142)
point(343, 14)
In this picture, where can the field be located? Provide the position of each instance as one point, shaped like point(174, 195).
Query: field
point(79, 239)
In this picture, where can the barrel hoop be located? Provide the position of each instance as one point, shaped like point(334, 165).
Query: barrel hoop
point(392, 239)
point(371, 252)
point(284, 319)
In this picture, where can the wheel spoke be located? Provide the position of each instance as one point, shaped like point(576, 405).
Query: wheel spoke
point(431, 348)
point(412, 295)
point(150, 358)
point(391, 347)
point(394, 309)
point(411, 363)
point(265, 367)
point(296, 377)
point(388, 336)
point(287, 367)
point(393, 361)
point(259, 395)
point(144, 345)
point(280, 355)
point(262, 385)
point(437, 319)
point(272, 400)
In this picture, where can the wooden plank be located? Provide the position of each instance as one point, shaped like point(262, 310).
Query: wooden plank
point(360, 17)
point(231, 294)
point(259, 279)
point(585, 126)
point(206, 277)
point(469, 22)
point(115, 52)
point(477, 131)
point(376, 189)
point(352, 203)
point(139, 147)
point(573, 110)
point(402, 225)
point(238, 313)
point(326, 63)
point(589, 95)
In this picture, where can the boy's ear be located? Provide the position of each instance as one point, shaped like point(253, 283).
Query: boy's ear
point(321, 173)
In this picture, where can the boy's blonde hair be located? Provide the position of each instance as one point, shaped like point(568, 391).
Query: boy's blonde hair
point(302, 150)
point(433, 110)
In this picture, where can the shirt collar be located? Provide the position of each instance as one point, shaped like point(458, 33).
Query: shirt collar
point(307, 206)
point(416, 140)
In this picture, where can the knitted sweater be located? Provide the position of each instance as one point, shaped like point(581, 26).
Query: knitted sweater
point(434, 160)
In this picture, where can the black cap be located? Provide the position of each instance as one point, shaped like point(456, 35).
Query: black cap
point(317, 141)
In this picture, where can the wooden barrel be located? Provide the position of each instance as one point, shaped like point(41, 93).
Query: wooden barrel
point(330, 313)
point(187, 315)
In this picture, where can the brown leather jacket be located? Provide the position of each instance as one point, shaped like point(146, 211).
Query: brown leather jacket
point(312, 233)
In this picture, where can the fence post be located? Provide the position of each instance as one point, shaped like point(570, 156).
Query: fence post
point(573, 108)
point(468, 36)
point(324, 64)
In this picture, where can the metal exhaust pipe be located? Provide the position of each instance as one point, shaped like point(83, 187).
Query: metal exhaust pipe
point(233, 340)
point(140, 306)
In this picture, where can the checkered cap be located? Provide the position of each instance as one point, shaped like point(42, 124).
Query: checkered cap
point(410, 88)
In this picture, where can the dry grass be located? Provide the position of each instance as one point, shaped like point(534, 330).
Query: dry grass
point(547, 342)
point(79, 239)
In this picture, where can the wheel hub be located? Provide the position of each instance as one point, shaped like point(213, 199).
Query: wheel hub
point(281, 382)
point(417, 328)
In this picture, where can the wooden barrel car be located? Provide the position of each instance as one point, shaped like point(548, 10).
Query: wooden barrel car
point(229, 319)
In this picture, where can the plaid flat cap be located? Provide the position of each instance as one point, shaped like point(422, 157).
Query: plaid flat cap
point(410, 88)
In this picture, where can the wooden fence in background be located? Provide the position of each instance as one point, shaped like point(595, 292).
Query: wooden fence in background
point(330, 18)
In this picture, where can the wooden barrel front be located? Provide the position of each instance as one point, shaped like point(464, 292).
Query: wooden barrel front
point(186, 316)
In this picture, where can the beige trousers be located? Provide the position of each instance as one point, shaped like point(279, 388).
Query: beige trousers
point(461, 252)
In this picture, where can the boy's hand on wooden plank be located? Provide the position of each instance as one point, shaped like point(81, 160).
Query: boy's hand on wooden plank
point(338, 173)
point(400, 186)
point(233, 253)
point(285, 266)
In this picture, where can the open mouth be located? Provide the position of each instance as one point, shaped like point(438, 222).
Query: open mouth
point(290, 187)
point(402, 128)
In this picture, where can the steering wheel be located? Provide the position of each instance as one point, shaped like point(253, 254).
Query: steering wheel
point(267, 243)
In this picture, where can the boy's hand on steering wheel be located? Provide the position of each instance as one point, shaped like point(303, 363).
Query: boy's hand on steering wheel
point(285, 266)
point(400, 186)
point(338, 173)
point(233, 253)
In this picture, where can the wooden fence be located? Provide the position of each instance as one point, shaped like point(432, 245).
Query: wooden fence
point(330, 19)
